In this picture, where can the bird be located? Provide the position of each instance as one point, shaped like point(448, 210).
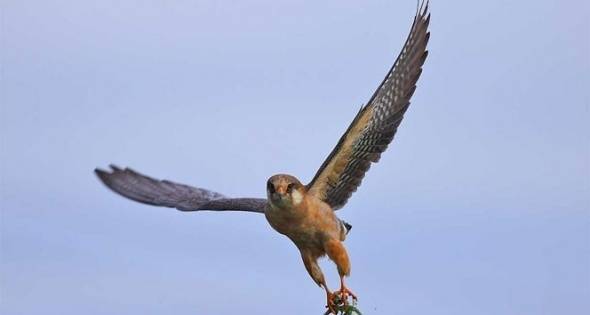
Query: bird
point(306, 213)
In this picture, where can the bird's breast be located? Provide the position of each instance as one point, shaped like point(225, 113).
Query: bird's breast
point(306, 225)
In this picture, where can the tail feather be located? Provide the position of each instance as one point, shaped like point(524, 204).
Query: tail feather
point(347, 225)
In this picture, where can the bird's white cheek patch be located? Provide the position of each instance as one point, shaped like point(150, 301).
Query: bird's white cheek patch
point(297, 197)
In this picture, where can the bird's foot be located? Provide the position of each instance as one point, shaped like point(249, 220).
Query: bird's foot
point(344, 293)
point(332, 301)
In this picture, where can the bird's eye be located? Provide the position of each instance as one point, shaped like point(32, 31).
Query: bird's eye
point(290, 188)
point(270, 187)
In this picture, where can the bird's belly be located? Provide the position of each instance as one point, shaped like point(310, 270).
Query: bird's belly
point(303, 231)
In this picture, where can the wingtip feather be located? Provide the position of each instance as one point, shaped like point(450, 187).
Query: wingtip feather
point(115, 168)
point(101, 174)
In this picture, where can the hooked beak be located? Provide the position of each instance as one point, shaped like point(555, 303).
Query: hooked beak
point(279, 195)
point(281, 190)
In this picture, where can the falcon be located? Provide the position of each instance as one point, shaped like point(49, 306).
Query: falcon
point(305, 213)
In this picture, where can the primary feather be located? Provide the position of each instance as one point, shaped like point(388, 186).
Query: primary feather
point(144, 189)
point(375, 125)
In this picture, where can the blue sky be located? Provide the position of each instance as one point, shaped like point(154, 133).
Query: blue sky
point(480, 206)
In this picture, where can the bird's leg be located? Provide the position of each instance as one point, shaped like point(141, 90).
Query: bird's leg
point(345, 292)
point(311, 264)
point(337, 253)
point(330, 305)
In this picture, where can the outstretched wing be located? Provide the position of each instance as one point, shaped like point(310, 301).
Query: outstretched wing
point(374, 126)
point(144, 189)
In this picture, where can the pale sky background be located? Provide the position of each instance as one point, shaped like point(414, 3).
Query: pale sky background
point(480, 206)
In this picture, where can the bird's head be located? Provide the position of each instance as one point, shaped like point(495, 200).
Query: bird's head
point(284, 191)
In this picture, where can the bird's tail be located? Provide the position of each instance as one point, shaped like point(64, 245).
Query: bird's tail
point(346, 225)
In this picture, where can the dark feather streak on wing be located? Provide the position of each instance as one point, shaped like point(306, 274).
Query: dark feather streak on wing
point(375, 125)
point(144, 189)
